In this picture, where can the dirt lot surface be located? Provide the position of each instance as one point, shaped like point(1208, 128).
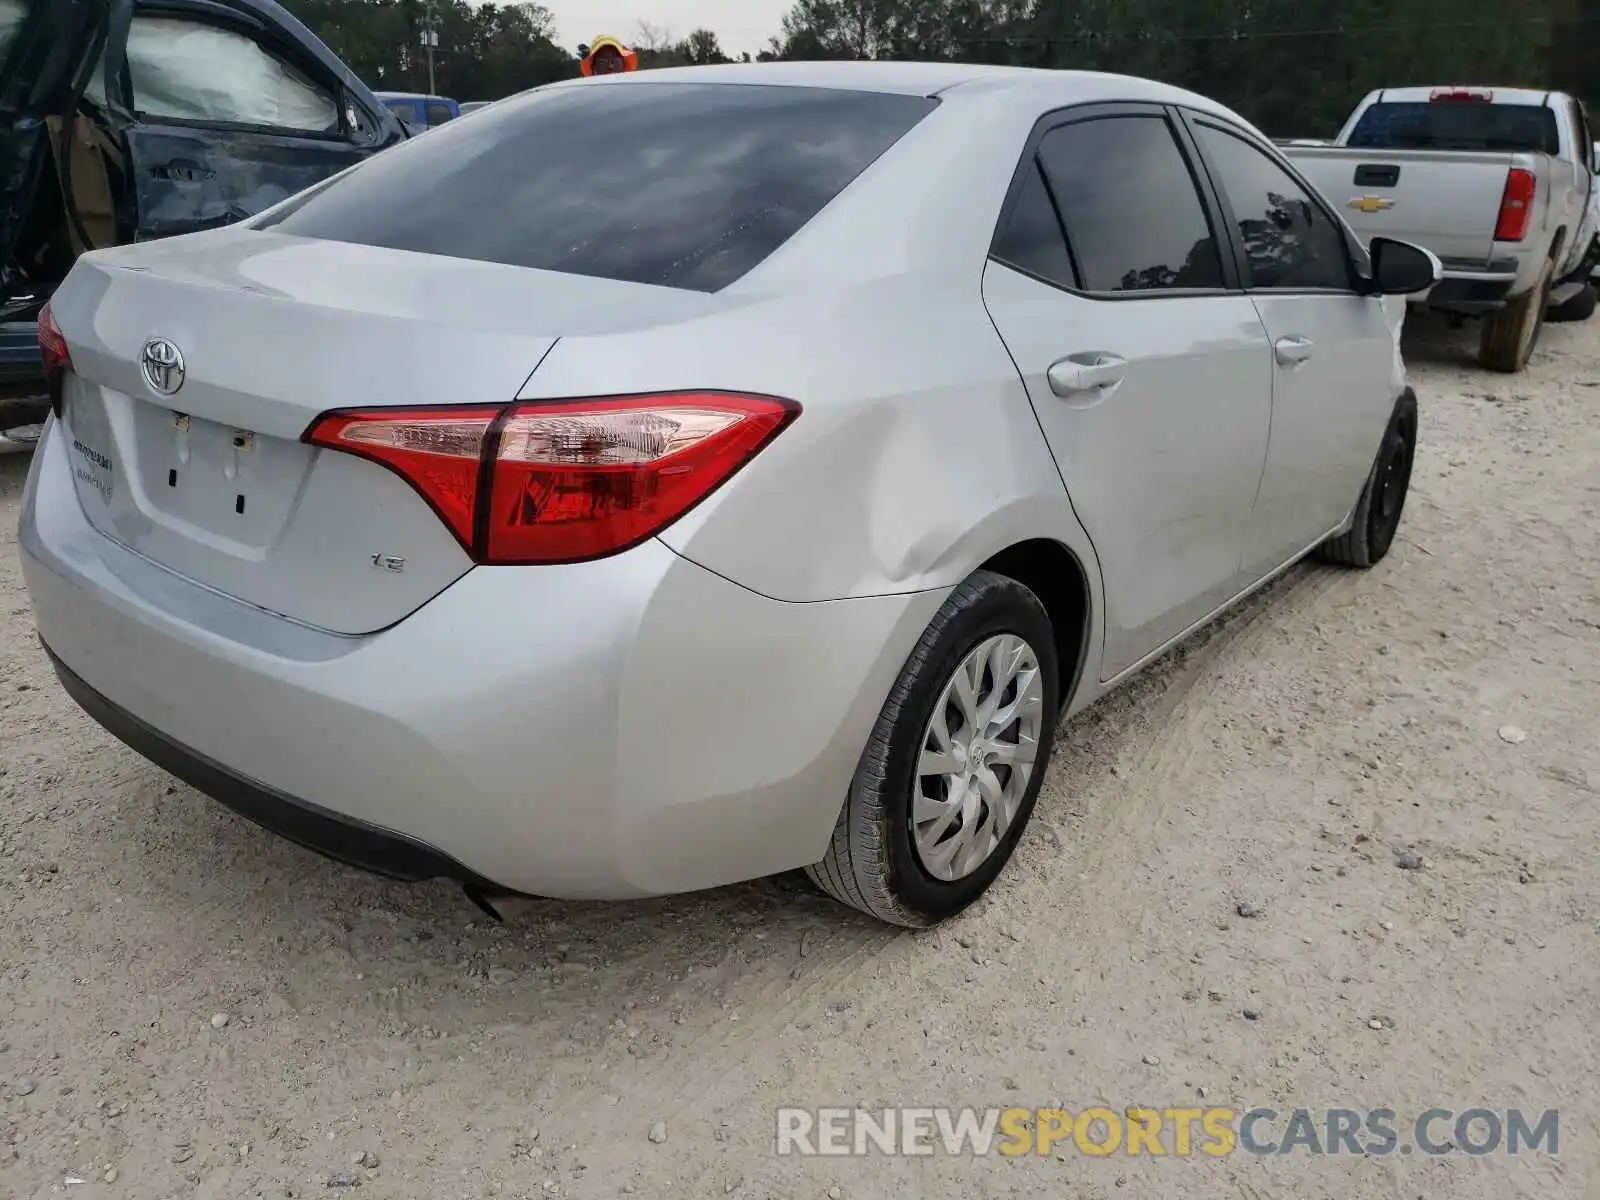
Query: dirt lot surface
point(190, 1007)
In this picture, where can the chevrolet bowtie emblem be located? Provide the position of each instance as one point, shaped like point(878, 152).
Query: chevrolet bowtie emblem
point(1371, 204)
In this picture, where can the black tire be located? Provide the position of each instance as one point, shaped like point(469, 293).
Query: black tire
point(1580, 308)
point(1510, 335)
point(872, 863)
point(1383, 499)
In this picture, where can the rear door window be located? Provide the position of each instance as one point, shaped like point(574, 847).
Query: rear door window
point(1031, 238)
point(1132, 211)
point(437, 112)
point(679, 184)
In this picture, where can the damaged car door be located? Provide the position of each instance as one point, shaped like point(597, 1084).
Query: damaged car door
point(226, 107)
point(125, 120)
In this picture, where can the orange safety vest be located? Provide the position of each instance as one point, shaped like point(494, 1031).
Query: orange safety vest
point(630, 58)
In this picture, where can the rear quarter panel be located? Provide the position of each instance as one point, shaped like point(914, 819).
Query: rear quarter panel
point(916, 457)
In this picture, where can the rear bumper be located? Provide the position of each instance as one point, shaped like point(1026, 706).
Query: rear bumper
point(628, 727)
point(349, 841)
point(1471, 295)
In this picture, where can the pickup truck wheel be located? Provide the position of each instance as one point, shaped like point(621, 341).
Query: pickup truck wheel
point(1580, 308)
point(950, 774)
point(1377, 515)
point(1511, 334)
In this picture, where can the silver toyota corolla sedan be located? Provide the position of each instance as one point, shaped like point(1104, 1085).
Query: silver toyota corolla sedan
point(751, 477)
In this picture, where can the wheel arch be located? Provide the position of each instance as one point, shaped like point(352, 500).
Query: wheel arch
point(1052, 571)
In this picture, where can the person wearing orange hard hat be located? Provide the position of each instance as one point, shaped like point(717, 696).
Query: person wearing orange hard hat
point(607, 56)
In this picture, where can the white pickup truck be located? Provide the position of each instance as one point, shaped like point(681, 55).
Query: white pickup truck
point(1497, 182)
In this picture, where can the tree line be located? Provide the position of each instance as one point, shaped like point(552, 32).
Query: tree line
point(484, 51)
point(1295, 67)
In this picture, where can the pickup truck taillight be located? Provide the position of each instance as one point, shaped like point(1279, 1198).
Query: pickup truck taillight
point(1516, 206)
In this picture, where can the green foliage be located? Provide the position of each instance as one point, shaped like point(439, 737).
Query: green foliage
point(485, 51)
point(1295, 67)
point(701, 48)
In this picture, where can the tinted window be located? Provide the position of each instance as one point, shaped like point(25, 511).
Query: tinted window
point(686, 185)
point(1289, 240)
point(1134, 219)
point(1031, 238)
point(1456, 125)
point(436, 112)
point(1585, 146)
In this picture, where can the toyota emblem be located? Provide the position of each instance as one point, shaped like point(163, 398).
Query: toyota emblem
point(162, 363)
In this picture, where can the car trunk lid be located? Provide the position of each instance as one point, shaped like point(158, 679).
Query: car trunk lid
point(201, 468)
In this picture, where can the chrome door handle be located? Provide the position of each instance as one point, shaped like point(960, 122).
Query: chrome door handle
point(1079, 373)
point(1292, 351)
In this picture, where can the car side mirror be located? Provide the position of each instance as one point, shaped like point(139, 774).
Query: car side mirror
point(1401, 269)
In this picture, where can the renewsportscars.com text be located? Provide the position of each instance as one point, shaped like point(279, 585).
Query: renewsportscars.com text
point(1162, 1132)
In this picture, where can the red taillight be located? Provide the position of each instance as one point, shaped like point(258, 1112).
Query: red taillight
point(1516, 206)
point(562, 481)
point(1457, 95)
point(52, 346)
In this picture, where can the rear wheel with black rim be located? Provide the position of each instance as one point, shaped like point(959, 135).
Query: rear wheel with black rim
point(951, 773)
point(1383, 500)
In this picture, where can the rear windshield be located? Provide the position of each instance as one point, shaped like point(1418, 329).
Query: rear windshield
point(682, 185)
point(1456, 125)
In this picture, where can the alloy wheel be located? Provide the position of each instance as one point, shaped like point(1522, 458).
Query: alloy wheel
point(978, 754)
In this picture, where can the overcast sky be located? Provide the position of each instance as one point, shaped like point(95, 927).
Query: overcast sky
point(740, 24)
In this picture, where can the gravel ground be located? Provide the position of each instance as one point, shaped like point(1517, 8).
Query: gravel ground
point(190, 1007)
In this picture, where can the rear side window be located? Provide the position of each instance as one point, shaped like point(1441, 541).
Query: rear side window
point(437, 113)
point(1031, 239)
point(1289, 240)
point(1132, 212)
point(1456, 125)
point(682, 185)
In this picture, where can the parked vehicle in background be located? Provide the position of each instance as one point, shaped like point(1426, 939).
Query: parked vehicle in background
point(496, 614)
point(420, 111)
point(472, 106)
point(138, 119)
point(1497, 182)
point(1594, 209)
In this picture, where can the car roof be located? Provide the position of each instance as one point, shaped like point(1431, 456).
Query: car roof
point(408, 96)
point(1053, 88)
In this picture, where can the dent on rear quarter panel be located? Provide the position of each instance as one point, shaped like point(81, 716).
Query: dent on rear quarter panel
point(916, 456)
